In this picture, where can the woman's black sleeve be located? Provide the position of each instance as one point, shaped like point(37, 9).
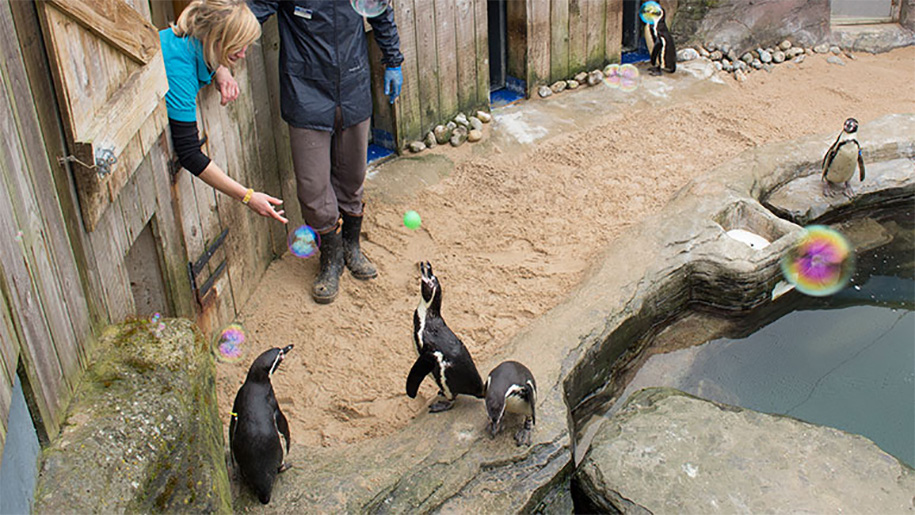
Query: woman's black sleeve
point(187, 146)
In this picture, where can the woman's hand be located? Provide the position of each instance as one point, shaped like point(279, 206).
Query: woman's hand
point(262, 204)
point(226, 84)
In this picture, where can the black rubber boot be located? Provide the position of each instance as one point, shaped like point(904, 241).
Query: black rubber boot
point(328, 281)
point(356, 261)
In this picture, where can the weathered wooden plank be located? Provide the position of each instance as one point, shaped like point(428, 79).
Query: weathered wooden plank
point(517, 27)
point(427, 60)
point(613, 31)
point(466, 57)
point(539, 42)
point(131, 209)
point(168, 231)
point(407, 109)
point(117, 23)
point(451, 38)
point(481, 41)
point(578, 36)
point(9, 345)
point(31, 45)
point(109, 241)
point(559, 40)
point(597, 10)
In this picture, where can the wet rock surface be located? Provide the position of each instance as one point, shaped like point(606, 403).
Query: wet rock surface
point(143, 434)
point(668, 452)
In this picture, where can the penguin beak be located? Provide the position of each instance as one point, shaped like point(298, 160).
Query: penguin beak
point(494, 426)
point(280, 356)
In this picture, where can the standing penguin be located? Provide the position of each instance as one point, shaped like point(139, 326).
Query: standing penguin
point(441, 352)
point(258, 431)
point(511, 387)
point(658, 39)
point(841, 159)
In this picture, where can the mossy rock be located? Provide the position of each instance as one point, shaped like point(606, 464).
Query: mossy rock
point(143, 432)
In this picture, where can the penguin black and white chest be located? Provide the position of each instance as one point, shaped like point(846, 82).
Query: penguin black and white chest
point(658, 39)
point(511, 388)
point(440, 352)
point(258, 431)
point(841, 160)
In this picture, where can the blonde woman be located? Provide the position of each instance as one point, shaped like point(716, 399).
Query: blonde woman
point(204, 44)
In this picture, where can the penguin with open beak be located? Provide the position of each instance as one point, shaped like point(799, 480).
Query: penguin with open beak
point(841, 160)
point(258, 431)
point(511, 388)
point(440, 352)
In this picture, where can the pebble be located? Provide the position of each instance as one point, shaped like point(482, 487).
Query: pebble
point(609, 68)
point(834, 59)
point(703, 52)
point(727, 65)
point(430, 140)
point(756, 64)
point(799, 59)
point(451, 125)
point(716, 55)
point(778, 57)
point(725, 48)
point(544, 91)
point(416, 146)
point(475, 123)
point(484, 116)
point(573, 84)
point(711, 47)
point(442, 134)
point(768, 67)
point(581, 77)
point(741, 65)
point(687, 54)
point(459, 136)
point(718, 66)
point(821, 49)
point(740, 76)
point(747, 58)
point(732, 55)
point(595, 78)
point(849, 55)
point(474, 135)
point(784, 45)
point(835, 50)
point(765, 56)
point(461, 119)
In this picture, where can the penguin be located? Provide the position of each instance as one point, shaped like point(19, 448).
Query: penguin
point(440, 352)
point(841, 159)
point(658, 39)
point(258, 431)
point(511, 387)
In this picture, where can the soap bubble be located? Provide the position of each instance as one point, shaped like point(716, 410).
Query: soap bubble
point(821, 263)
point(612, 77)
point(369, 8)
point(629, 77)
point(303, 242)
point(650, 12)
point(229, 343)
point(156, 325)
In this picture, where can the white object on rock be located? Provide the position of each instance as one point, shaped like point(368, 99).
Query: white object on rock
point(755, 241)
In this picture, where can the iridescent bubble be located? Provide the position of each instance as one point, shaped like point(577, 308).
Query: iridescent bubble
point(612, 77)
point(650, 12)
point(821, 263)
point(229, 343)
point(303, 242)
point(629, 77)
point(369, 8)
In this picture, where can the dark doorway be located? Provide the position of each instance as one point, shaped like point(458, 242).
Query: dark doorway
point(634, 48)
point(498, 44)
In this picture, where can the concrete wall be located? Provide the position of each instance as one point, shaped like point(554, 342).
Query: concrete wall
point(746, 24)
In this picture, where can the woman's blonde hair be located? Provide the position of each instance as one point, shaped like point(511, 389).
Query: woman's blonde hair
point(224, 27)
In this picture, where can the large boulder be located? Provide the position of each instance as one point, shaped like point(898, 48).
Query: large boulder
point(668, 452)
point(143, 433)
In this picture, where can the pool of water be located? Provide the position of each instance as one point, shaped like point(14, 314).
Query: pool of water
point(845, 361)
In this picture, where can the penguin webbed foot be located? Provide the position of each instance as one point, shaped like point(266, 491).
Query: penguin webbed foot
point(284, 467)
point(654, 71)
point(440, 406)
point(523, 436)
point(829, 190)
point(848, 192)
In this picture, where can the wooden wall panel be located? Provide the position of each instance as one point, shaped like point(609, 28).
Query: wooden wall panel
point(596, 42)
point(451, 41)
point(516, 20)
point(613, 31)
point(559, 40)
point(427, 62)
point(578, 35)
point(538, 43)
point(407, 108)
point(481, 41)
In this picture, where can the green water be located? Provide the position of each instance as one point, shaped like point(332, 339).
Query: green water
point(845, 361)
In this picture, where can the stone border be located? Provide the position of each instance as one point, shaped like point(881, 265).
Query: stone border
point(680, 256)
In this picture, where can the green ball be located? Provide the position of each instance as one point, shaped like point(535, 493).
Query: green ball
point(412, 220)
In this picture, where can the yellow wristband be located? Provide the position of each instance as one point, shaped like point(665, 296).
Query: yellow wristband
point(247, 196)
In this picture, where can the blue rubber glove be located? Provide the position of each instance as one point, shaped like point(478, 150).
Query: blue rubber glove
point(393, 80)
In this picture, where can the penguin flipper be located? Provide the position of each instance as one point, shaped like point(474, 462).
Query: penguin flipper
point(830, 155)
point(860, 165)
point(423, 366)
point(283, 427)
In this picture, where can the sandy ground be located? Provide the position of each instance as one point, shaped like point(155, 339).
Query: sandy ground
point(513, 228)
